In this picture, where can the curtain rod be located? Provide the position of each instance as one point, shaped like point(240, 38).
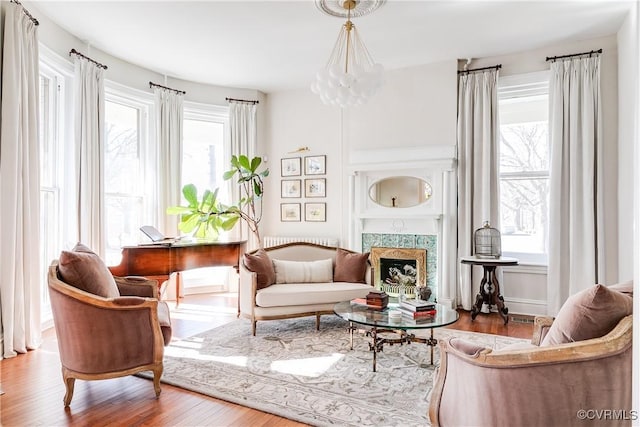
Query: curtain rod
point(554, 58)
point(75, 52)
point(26, 12)
point(180, 92)
point(242, 100)
point(497, 67)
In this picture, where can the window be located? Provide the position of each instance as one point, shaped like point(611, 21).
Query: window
point(524, 166)
point(54, 128)
point(126, 200)
point(205, 153)
point(49, 181)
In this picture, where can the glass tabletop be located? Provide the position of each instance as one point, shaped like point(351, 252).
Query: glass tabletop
point(363, 315)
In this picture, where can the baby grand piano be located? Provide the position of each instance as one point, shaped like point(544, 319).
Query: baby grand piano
point(159, 261)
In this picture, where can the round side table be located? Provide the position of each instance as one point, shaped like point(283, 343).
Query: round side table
point(489, 287)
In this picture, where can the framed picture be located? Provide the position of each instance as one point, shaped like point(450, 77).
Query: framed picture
point(290, 188)
point(315, 212)
point(316, 187)
point(315, 165)
point(289, 212)
point(291, 166)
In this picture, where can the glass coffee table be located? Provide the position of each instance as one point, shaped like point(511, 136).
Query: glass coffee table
point(375, 322)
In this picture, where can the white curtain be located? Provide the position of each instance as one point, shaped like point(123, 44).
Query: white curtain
point(478, 162)
point(244, 136)
point(170, 112)
point(90, 147)
point(19, 186)
point(576, 229)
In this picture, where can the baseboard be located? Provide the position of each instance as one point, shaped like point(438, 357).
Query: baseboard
point(204, 289)
point(526, 306)
point(447, 302)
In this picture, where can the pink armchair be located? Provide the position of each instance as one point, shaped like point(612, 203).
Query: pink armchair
point(101, 338)
point(533, 385)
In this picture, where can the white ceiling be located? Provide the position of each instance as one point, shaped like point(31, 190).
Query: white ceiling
point(275, 45)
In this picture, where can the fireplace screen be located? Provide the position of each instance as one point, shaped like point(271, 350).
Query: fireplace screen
point(396, 268)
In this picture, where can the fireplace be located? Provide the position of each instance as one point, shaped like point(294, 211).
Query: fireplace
point(428, 226)
point(399, 269)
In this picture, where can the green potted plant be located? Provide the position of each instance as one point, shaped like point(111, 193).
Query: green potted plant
point(251, 182)
point(204, 218)
point(207, 217)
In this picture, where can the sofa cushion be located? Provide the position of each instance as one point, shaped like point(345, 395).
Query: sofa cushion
point(84, 269)
point(260, 263)
point(588, 314)
point(293, 294)
point(350, 267)
point(303, 271)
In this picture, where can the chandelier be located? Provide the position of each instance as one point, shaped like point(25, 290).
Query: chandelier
point(351, 76)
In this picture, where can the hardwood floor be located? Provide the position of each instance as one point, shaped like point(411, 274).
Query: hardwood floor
point(33, 388)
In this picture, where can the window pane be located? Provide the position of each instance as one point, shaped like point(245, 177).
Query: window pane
point(122, 162)
point(524, 174)
point(123, 178)
point(524, 147)
point(49, 189)
point(203, 156)
point(124, 217)
point(524, 214)
point(49, 248)
point(47, 128)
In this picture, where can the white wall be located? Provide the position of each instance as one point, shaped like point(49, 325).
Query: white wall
point(629, 173)
point(298, 119)
point(627, 125)
point(417, 106)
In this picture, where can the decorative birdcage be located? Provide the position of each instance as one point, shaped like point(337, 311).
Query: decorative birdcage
point(487, 242)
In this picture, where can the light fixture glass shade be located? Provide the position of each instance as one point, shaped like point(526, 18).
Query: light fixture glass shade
point(351, 76)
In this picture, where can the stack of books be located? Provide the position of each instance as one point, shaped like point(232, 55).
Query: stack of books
point(416, 309)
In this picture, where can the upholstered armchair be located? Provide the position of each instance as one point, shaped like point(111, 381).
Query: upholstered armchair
point(544, 383)
point(101, 337)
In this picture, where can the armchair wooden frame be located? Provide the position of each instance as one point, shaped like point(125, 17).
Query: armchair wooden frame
point(97, 337)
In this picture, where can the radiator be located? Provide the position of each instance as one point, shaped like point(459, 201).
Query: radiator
point(269, 241)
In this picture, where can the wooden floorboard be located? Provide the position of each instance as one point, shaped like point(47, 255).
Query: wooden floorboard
point(34, 390)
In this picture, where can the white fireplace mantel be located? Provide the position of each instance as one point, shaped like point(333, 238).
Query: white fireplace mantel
point(434, 164)
point(429, 164)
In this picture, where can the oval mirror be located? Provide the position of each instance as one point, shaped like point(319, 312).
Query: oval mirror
point(400, 191)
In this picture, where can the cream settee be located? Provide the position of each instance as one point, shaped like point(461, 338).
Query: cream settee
point(306, 280)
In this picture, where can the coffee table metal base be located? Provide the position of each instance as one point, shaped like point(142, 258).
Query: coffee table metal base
point(377, 342)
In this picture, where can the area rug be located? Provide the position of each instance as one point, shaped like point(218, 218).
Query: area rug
point(292, 370)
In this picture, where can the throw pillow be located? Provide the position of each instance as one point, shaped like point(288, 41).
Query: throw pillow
point(624, 287)
point(350, 267)
point(84, 269)
point(588, 314)
point(260, 263)
point(303, 271)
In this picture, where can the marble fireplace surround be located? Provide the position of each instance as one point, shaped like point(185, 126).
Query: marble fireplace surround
point(430, 225)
